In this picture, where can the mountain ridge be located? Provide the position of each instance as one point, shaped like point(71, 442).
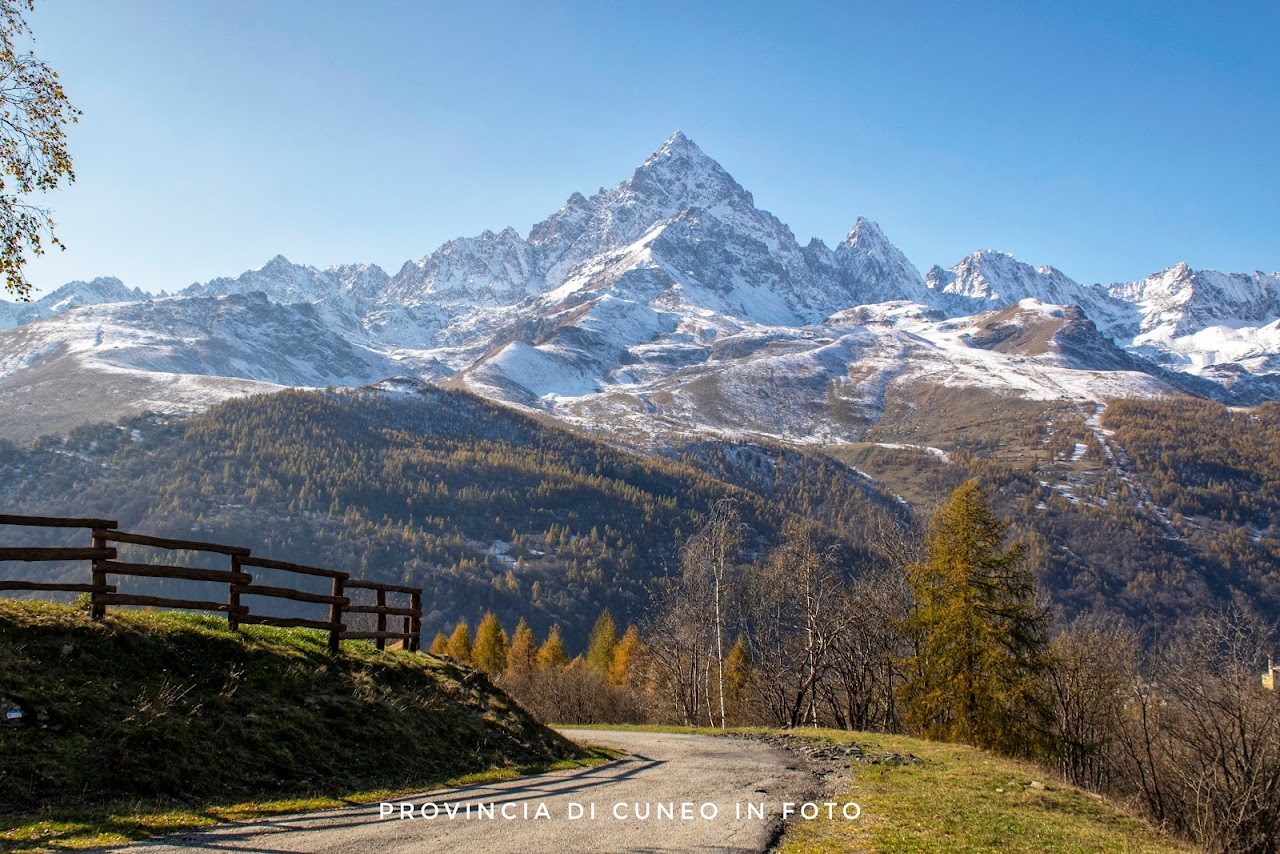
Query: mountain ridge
point(626, 302)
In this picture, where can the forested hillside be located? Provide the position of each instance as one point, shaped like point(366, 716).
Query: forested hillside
point(485, 508)
point(1163, 510)
point(488, 509)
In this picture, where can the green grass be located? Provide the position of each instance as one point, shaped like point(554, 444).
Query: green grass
point(967, 800)
point(147, 722)
point(961, 800)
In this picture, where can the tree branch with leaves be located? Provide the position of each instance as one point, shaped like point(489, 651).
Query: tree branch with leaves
point(34, 112)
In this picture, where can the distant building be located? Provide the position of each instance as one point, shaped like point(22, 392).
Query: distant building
point(1271, 679)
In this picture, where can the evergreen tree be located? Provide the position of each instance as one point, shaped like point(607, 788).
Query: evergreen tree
point(552, 655)
point(490, 650)
point(522, 657)
point(604, 638)
point(981, 642)
point(460, 643)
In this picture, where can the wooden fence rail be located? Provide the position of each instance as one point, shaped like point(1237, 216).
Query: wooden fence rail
point(239, 583)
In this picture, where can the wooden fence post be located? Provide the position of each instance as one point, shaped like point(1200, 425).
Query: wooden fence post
point(233, 596)
point(415, 624)
point(335, 616)
point(98, 610)
point(380, 641)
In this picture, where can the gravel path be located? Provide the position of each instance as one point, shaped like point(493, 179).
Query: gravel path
point(698, 792)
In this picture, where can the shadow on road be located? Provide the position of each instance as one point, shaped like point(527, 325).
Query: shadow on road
point(239, 836)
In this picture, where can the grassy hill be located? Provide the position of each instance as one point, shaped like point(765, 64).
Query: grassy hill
point(169, 711)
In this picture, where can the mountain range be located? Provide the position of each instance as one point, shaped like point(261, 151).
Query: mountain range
point(667, 316)
point(668, 304)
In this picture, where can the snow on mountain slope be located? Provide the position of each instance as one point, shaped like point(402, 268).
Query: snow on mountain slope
point(104, 289)
point(243, 335)
point(1179, 301)
point(816, 383)
point(1254, 348)
point(56, 395)
point(1057, 334)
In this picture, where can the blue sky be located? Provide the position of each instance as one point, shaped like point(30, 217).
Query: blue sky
point(1108, 139)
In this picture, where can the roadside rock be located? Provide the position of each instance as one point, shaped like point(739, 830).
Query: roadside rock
point(831, 761)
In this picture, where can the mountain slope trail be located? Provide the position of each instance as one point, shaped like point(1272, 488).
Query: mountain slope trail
point(661, 769)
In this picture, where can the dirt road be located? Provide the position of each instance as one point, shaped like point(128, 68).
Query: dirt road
point(671, 793)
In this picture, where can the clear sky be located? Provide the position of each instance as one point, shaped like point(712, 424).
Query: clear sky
point(1108, 139)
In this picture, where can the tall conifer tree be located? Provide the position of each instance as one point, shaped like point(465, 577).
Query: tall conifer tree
point(981, 641)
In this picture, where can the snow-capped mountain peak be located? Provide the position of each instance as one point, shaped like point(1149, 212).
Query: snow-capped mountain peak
point(278, 264)
point(679, 176)
point(279, 278)
point(865, 232)
point(998, 278)
point(870, 269)
point(489, 270)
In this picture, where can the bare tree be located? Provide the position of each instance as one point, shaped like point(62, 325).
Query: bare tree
point(711, 562)
point(896, 540)
point(797, 615)
point(679, 636)
point(1200, 740)
point(1226, 736)
point(1095, 667)
point(863, 691)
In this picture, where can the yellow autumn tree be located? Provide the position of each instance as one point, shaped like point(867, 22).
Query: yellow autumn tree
point(522, 657)
point(626, 658)
point(459, 647)
point(490, 650)
point(737, 670)
point(604, 637)
point(551, 656)
point(440, 645)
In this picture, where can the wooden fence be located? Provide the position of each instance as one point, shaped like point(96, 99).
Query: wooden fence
point(104, 532)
